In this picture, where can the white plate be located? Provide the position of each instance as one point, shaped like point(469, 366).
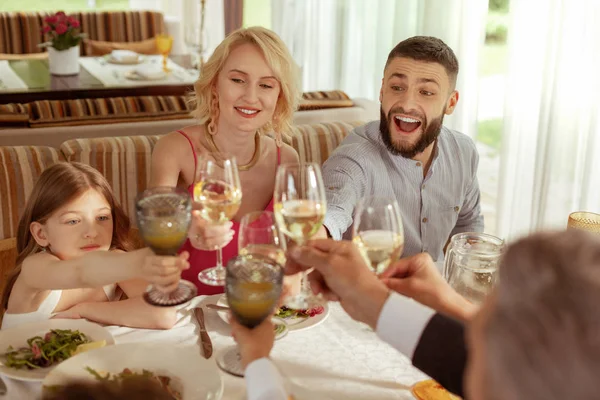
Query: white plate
point(18, 335)
point(293, 324)
point(193, 375)
point(132, 75)
point(110, 59)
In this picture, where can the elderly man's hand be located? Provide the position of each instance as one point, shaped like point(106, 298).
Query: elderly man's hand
point(253, 343)
point(419, 278)
point(340, 273)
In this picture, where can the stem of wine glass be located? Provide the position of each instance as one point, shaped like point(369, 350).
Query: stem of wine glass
point(219, 258)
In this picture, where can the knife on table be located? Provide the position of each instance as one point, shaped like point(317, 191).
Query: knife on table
point(205, 342)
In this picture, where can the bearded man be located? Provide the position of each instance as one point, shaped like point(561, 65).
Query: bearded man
point(409, 155)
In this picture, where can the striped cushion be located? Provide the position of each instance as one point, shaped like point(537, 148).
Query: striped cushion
point(14, 114)
point(315, 142)
point(124, 161)
point(106, 110)
point(322, 100)
point(135, 108)
point(100, 47)
point(22, 32)
point(20, 167)
point(326, 95)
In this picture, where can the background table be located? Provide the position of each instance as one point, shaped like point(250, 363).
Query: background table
point(41, 85)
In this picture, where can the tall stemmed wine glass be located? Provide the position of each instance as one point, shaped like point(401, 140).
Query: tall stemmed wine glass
point(219, 193)
point(163, 218)
point(253, 286)
point(259, 235)
point(300, 206)
point(378, 231)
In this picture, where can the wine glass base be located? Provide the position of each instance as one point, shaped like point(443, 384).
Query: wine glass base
point(213, 276)
point(230, 361)
point(184, 293)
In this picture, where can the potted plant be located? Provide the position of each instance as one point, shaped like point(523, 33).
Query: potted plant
point(63, 47)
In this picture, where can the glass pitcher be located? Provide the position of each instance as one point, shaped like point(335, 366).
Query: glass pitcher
point(472, 263)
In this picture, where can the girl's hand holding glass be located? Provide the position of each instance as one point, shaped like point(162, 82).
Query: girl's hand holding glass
point(164, 272)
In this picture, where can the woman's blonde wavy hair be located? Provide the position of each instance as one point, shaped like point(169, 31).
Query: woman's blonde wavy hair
point(279, 60)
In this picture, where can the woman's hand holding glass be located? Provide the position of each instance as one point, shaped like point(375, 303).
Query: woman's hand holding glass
point(206, 236)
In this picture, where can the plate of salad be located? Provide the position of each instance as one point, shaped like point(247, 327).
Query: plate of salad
point(295, 320)
point(181, 370)
point(30, 351)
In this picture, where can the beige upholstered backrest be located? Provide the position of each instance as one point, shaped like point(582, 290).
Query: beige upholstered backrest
point(20, 167)
point(124, 161)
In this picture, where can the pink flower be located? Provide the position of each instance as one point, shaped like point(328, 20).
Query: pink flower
point(60, 14)
point(51, 19)
point(74, 23)
point(46, 29)
point(61, 28)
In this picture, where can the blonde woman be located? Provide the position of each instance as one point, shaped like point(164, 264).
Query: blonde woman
point(246, 89)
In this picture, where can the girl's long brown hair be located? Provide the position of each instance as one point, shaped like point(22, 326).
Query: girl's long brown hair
point(57, 185)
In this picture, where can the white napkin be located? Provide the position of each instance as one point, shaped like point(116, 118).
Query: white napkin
point(124, 56)
point(150, 71)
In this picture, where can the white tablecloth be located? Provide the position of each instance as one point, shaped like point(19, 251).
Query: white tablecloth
point(339, 359)
point(112, 75)
point(9, 80)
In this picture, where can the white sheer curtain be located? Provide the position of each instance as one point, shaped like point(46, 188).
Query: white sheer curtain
point(550, 163)
point(343, 44)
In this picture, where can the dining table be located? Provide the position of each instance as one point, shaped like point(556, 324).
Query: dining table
point(337, 359)
point(28, 80)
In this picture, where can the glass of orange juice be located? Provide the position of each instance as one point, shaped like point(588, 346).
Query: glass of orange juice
point(164, 43)
point(163, 216)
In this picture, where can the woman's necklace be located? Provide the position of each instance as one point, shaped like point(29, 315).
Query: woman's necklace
point(246, 167)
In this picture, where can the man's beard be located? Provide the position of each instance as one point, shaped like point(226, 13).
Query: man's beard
point(430, 132)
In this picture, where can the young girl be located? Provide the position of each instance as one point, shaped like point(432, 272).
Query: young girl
point(72, 244)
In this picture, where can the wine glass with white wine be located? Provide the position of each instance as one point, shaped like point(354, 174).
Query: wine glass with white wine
point(219, 194)
point(300, 206)
point(378, 232)
point(259, 235)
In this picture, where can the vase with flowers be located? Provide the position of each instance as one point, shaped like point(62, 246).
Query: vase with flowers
point(63, 46)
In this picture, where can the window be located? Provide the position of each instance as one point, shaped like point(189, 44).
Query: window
point(492, 74)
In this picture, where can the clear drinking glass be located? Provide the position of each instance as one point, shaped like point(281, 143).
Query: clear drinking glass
point(253, 286)
point(218, 192)
point(259, 235)
point(163, 217)
point(299, 206)
point(378, 232)
point(471, 264)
